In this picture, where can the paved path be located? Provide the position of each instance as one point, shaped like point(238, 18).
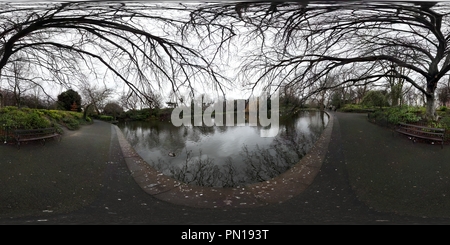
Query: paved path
point(120, 199)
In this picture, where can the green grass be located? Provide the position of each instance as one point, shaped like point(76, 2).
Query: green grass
point(356, 108)
point(25, 118)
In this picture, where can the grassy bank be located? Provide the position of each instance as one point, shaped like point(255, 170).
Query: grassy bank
point(25, 118)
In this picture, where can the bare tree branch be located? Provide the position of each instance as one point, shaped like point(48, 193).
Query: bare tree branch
point(143, 44)
point(303, 42)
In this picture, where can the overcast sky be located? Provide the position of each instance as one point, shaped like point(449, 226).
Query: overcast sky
point(102, 79)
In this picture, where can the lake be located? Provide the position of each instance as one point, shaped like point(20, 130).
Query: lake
point(224, 156)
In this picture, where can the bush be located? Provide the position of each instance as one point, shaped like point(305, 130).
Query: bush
point(445, 122)
point(8, 109)
point(25, 118)
point(356, 108)
point(75, 115)
point(138, 115)
point(442, 108)
point(375, 98)
point(394, 115)
point(71, 123)
point(53, 114)
point(105, 118)
point(38, 121)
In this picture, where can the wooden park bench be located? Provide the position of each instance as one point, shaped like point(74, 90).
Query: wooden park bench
point(23, 135)
point(427, 133)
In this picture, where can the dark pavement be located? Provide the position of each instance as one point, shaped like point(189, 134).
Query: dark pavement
point(119, 199)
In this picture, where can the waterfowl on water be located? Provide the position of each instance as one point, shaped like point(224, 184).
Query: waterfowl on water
point(171, 154)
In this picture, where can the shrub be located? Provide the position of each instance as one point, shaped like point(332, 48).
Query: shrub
point(24, 118)
point(38, 121)
point(71, 123)
point(404, 114)
point(75, 115)
point(375, 98)
point(358, 108)
point(394, 115)
point(53, 114)
point(105, 118)
point(442, 108)
point(445, 122)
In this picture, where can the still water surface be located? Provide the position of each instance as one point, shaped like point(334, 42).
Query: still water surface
point(224, 156)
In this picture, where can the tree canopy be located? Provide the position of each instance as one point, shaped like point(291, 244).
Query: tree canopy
point(302, 42)
point(70, 100)
point(141, 44)
point(311, 46)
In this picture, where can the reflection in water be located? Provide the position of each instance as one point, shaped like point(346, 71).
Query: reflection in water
point(224, 156)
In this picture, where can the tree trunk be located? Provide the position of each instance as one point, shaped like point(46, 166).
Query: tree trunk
point(86, 111)
point(396, 94)
point(322, 101)
point(431, 108)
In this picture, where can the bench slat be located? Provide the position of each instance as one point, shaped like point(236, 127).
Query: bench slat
point(421, 131)
point(39, 138)
point(420, 136)
point(416, 131)
point(22, 135)
point(423, 127)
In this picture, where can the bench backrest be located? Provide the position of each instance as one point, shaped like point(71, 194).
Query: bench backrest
point(34, 131)
point(437, 130)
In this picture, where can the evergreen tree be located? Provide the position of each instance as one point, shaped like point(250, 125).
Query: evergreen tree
point(69, 100)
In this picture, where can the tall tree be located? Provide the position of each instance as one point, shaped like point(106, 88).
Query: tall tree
point(302, 42)
point(113, 109)
point(395, 83)
point(444, 93)
point(95, 96)
point(19, 87)
point(141, 44)
point(70, 100)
